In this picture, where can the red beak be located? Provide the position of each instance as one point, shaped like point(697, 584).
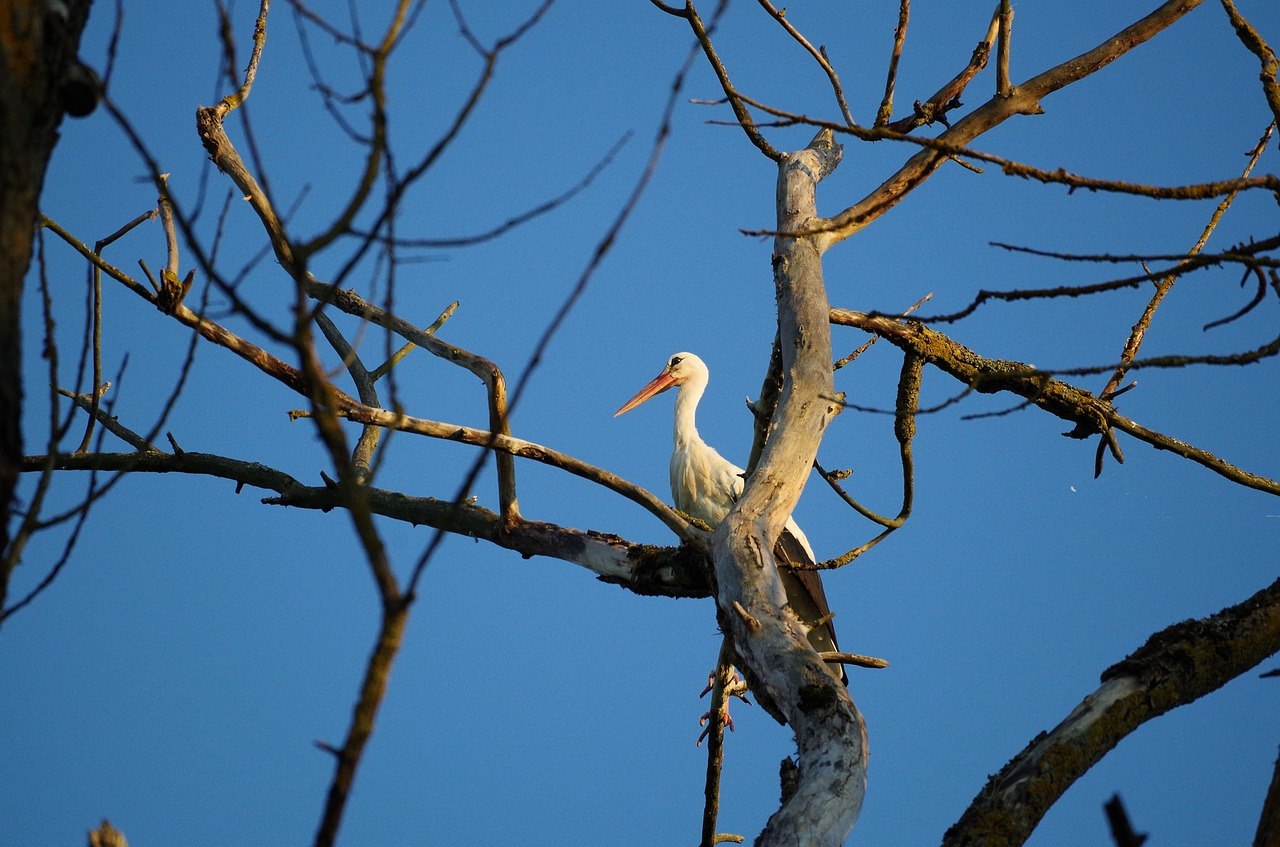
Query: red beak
point(660, 383)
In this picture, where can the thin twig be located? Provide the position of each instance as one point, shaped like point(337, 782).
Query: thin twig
point(703, 34)
point(11, 553)
point(95, 283)
point(1248, 255)
point(362, 455)
point(1091, 414)
point(515, 220)
point(904, 430)
point(1139, 330)
point(819, 55)
point(866, 345)
point(891, 78)
point(1122, 832)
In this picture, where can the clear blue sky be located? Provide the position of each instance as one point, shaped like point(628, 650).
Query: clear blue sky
point(175, 676)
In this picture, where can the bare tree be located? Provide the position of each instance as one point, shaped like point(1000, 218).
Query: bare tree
point(342, 326)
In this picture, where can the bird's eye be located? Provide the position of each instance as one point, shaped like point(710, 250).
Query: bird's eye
point(675, 360)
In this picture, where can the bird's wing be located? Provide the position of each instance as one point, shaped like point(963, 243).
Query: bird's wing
point(805, 593)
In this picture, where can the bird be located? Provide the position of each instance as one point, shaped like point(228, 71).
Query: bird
point(705, 485)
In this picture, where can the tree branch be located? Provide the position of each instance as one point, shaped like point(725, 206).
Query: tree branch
point(819, 55)
point(1091, 414)
point(891, 78)
point(641, 568)
point(488, 372)
point(1258, 46)
point(703, 34)
point(1022, 99)
point(1175, 667)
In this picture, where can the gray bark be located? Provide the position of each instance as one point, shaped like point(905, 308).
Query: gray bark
point(786, 674)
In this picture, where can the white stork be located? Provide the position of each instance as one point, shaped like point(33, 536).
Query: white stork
point(705, 485)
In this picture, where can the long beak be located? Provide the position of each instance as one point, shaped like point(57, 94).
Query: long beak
point(660, 383)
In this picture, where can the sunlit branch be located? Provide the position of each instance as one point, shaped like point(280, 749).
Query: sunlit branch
point(891, 78)
point(1257, 45)
point(1024, 99)
point(703, 34)
point(819, 55)
point(1092, 415)
point(947, 97)
point(642, 568)
point(1003, 44)
point(1175, 667)
point(1058, 176)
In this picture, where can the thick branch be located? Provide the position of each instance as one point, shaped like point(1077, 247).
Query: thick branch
point(641, 568)
point(1175, 667)
point(783, 668)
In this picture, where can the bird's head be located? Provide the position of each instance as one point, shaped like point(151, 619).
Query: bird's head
point(680, 369)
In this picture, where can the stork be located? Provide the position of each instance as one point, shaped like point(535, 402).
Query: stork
point(705, 485)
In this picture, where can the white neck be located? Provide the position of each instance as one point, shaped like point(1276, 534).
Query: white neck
point(686, 429)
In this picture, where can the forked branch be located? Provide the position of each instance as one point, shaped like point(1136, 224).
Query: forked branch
point(1091, 414)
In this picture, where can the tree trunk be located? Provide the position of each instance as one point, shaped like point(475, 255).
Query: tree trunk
point(38, 43)
point(786, 674)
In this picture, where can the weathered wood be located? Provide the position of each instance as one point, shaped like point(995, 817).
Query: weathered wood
point(786, 674)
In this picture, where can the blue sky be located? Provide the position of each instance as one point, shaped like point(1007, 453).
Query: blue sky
point(175, 676)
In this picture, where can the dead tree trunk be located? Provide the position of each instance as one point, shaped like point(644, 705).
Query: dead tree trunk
point(786, 674)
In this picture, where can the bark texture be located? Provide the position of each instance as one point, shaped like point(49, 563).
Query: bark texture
point(38, 43)
point(785, 672)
